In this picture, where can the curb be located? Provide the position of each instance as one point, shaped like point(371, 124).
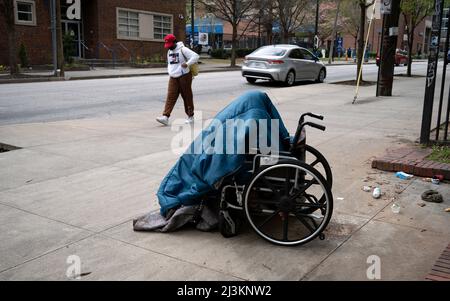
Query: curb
point(48, 79)
point(412, 161)
point(30, 80)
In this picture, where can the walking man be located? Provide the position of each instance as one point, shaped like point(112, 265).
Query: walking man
point(179, 59)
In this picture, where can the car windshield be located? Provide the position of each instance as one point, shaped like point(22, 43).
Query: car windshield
point(270, 51)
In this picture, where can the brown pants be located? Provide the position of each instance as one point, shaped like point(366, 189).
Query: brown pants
point(181, 85)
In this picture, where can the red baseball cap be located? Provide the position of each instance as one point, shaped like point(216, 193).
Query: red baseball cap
point(169, 39)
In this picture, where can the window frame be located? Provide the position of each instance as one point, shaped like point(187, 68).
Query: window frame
point(139, 12)
point(307, 52)
point(33, 21)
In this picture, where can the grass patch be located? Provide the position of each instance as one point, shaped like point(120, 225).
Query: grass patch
point(440, 154)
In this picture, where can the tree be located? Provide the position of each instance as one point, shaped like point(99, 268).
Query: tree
point(326, 16)
point(7, 10)
point(334, 31)
point(414, 12)
point(350, 18)
point(233, 12)
point(363, 5)
point(291, 14)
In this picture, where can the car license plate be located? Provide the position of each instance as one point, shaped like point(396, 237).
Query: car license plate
point(257, 65)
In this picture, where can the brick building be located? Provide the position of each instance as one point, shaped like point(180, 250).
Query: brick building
point(120, 28)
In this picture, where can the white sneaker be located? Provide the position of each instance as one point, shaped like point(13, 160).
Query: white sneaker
point(163, 120)
point(189, 120)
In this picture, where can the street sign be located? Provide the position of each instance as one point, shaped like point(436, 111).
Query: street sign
point(203, 38)
point(386, 6)
point(369, 11)
point(316, 42)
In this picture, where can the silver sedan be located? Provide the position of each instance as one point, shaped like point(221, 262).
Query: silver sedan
point(284, 63)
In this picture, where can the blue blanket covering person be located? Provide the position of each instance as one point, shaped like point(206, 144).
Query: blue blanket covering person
point(197, 173)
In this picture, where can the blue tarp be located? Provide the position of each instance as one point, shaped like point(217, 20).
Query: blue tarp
point(197, 173)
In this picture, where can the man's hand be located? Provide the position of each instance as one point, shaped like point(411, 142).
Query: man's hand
point(184, 65)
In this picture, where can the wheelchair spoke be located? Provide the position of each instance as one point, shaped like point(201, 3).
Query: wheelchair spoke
point(311, 198)
point(286, 183)
point(269, 218)
point(315, 162)
point(303, 189)
point(304, 222)
point(285, 227)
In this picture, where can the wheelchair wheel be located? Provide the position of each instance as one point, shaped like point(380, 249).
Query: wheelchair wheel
point(315, 159)
point(282, 203)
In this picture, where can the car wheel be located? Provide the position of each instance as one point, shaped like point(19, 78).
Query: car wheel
point(290, 79)
point(251, 80)
point(321, 76)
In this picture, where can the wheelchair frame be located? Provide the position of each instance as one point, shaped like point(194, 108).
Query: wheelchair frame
point(287, 204)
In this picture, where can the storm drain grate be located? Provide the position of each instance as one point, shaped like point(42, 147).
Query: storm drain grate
point(441, 269)
point(7, 148)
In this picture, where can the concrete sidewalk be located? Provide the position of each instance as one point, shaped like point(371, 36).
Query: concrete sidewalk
point(75, 186)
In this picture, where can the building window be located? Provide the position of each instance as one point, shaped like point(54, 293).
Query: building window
point(25, 12)
point(128, 24)
point(142, 25)
point(162, 25)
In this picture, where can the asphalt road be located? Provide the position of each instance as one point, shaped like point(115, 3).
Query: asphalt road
point(53, 101)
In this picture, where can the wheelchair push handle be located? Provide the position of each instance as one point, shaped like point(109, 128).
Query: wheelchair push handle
point(300, 129)
point(315, 125)
point(302, 118)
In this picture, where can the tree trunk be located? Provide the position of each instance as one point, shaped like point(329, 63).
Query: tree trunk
point(13, 67)
point(285, 36)
point(362, 30)
point(387, 60)
point(233, 45)
point(410, 48)
point(331, 54)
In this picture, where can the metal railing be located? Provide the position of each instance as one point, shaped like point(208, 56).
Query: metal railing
point(432, 70)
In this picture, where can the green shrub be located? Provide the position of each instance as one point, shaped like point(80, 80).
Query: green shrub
point(220, 54)
point(69, 48)
point(23, 56)
point(226, 54)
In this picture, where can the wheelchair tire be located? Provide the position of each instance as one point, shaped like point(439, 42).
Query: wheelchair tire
point(276, 200)
point(320, 159)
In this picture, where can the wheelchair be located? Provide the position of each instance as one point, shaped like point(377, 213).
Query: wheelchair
point(286, 197)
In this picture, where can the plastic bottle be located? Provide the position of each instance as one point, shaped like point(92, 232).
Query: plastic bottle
point(395, 208)
point(376, 193)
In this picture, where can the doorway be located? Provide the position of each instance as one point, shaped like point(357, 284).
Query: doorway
point(74, 29)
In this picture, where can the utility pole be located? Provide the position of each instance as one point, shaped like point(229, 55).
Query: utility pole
point(316, 28)
point(59, 40)
point(192, 23)
point(433, 57)
point(54, 37)
point(389, 44)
